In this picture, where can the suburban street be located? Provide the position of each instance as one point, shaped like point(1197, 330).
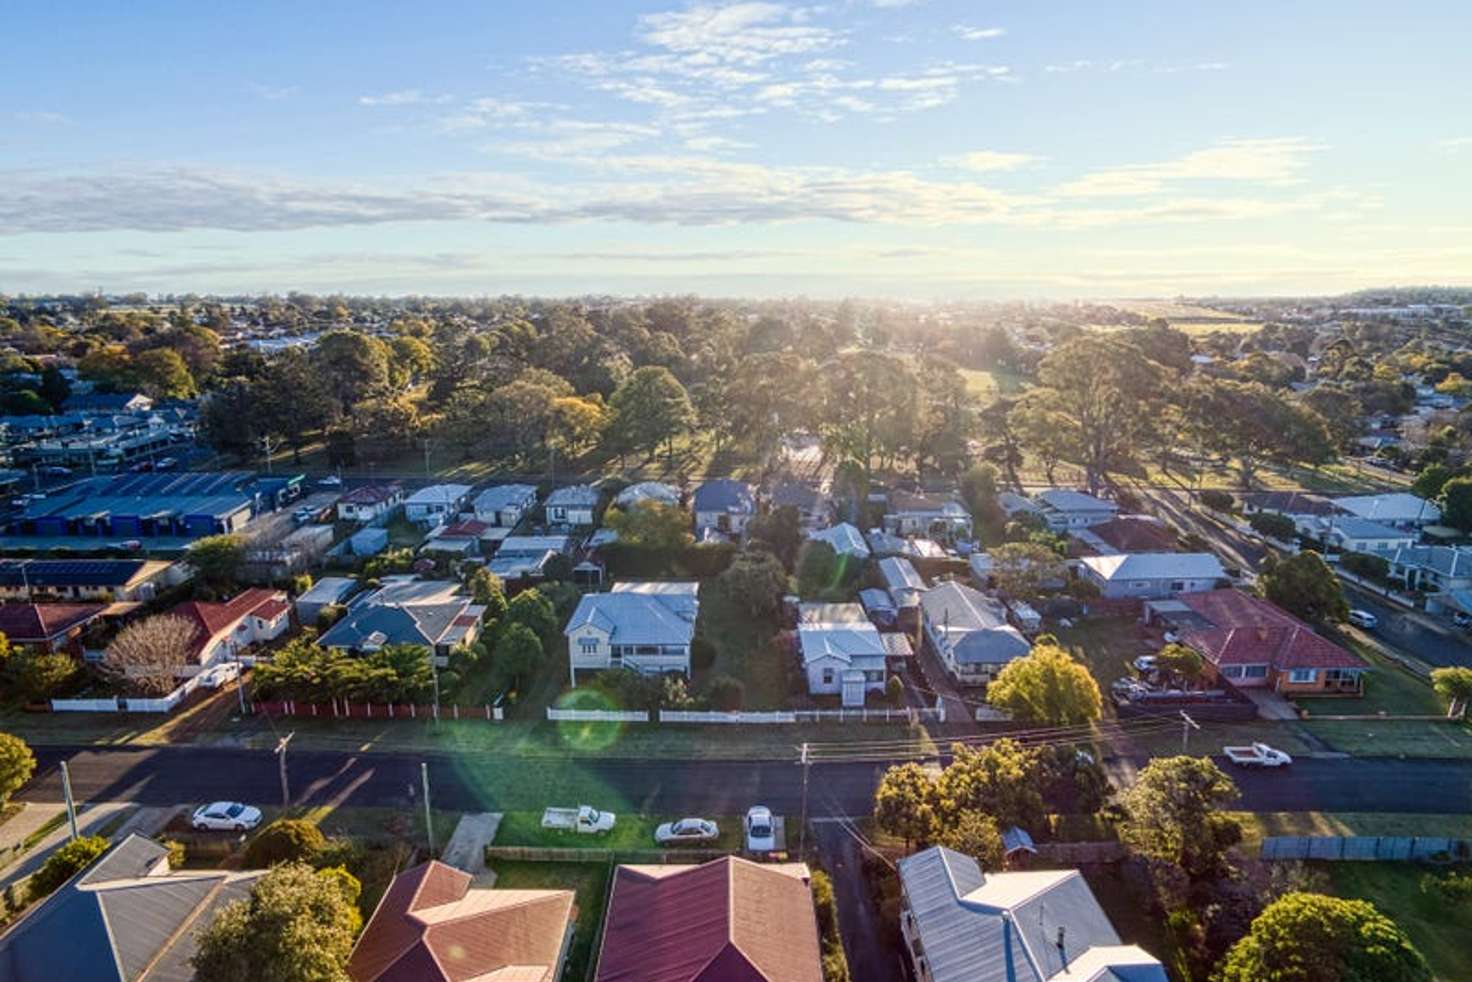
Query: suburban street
point(169, 776)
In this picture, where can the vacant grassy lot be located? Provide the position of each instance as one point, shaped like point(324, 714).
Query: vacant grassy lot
point(1107, 645)
point(630, 831)
point(1439, 930)
point(744, 650)
point(590, 881)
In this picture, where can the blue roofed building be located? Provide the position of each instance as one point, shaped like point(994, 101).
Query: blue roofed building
point(723, 506)
point(111, 510)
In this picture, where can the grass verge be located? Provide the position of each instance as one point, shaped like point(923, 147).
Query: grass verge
point(630, 831)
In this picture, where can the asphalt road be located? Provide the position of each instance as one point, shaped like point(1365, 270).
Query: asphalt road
point(171, 776)
point(1409, 632)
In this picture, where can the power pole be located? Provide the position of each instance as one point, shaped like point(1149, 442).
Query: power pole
point(428, 814)
point(802, 829)
point(281, 759)
point(71, 806)
point(1187, 725)
point(434, 671)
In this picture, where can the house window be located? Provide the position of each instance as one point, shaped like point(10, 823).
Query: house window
point(1301, 675)
point(1232, 672)
point(827, 676)
point(1255, 672)
point(1177, 586)
point(589, 645)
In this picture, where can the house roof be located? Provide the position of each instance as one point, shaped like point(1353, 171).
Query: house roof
point(973, 624)
point(1156, 566)
point(1011, 503)
point(875, 599)
point(102, 573)
point(1004, 927)
point(1064, 499)
point(439, 494)
point(40, 623)
point(126, 918)
point(1290, 503)
point(371, 494)
point(724, 494)
point(328, 590)
point(1136, 533)
point(573, 496)
point(728, 920)
point(845, 539)
point(821, 613)
point(1350, 527)
point(1395, 506)
point(908, 502)
point(1246, 630)
point(1446, 560)
point(433, 925)
point(505, 495)
point(648, 491)
point(468, 529)
point(850, 642)
point(900, 574)
point(425, 624)
point(641, 613)
point(214, 619)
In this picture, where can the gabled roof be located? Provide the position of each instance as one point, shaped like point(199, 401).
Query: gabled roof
point(1290, 502)
point(1446, 560)
point(384, 624)
point(101, 573)
point(1004, 927)
point(907, 502)
point(505, 495)
point(213, 619)
point(900, 574)
point(800, 496)
point(1063, 499)
point(1394, 506)
point(648, 491)
point(439, 494)
point(1247, 630)
point(845, 539)
point(641, 613)
point(850, 640)
point(1350, 527)
point(1156, 566)
point(724, 494)
point(573, 496)
point(728, 920)
point(432, 925)
point(1136, 533)
point(39, 623)
point(371, 494)
point(973, 624)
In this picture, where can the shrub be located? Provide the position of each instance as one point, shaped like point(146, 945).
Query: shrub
point(283, 841)
point(17, 764)
point(702, 653)
point(1365, 565)
point(1453, 889)
point(725, 693)
point(894, 690)
point(835, 964)
point(1216, 500)
point(178, 853)
point(65, 863)
point(1273, 525)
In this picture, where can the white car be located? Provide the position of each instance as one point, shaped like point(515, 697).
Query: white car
point(226, 816)
point(330, 481)
point(1146, 663)
point(1363, 619)
point(761, 831)
point(687, 830)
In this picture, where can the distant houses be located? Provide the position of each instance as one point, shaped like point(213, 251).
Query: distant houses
point(1152, 575)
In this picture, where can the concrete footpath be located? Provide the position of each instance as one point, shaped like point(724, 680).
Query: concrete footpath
point(122, 818)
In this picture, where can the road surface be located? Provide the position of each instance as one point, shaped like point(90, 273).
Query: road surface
point(1410, 632)
point(488, 782)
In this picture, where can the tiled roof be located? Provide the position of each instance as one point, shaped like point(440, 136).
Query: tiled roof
point(214, 619)
point(431, 925)
point(1136, 533)
point(728, 920)
point(37, 623)
point(371, 494)
point(1249, 631)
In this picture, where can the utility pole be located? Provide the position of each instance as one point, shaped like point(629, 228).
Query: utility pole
point(270, 447)
point(802, 829)
point(71, 806)
point(1187, 725)
point(428, 814)
point(240, 682)
point(426, 457)
point(434, 671)
point(281, 759)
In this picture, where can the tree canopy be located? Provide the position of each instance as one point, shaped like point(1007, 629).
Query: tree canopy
point(1304, 584)
point(1174, 814)
point(1047, 686)
point(1310, 937)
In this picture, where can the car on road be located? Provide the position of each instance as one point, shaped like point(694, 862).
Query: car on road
point(330, 481)
point(1257, 755)
point(761, 830)
point(303, 515)
point(584, 819)
point(225, 816)
point(1363, 619)
point(687, 830)
point(165, 464)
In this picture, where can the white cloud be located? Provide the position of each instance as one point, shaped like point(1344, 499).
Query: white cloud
point(1263, 161)
point(404, 97)
point(741, 33)
point(967, 33)
point(715, 144)
point(273, 93)
point(1455, 143)
point(894, 4)
point(985, 161)
point(491, 112)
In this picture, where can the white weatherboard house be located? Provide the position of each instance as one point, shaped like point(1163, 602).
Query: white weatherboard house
point(723, 506)
point(1351, 534)
point(1063, 509)
point(842, 652)
point(1152, 575)
point(969, 632)
point(646, 626)
point(960, 924)
point(919, 514)
point(572, 505)
point(436, 504)
point(505, 504)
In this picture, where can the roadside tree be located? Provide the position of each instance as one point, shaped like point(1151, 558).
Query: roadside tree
point(1047, 686)
point(1310, 937)
point(1174, 814)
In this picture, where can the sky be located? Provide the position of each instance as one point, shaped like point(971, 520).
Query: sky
point(910, 148)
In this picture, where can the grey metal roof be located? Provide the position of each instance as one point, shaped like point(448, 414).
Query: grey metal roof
point(1156, 566)
point(573, 496)
point(1446, 560)
point(504, 496)
point(329, 589)
point(974, 625)
point(855, 644)
point(1063, 499)
point(899, 574)
point(634, 616)
point(724, 494)
point(647, 491)
point(844, 538)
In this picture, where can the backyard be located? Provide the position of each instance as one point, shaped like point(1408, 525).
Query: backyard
point(744, 651)
point(590, 881)
point(1440, 930)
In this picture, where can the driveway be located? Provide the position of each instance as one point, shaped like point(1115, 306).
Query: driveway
point(867, 941)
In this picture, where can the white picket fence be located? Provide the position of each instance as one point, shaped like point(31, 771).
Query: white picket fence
point(210, 678)
point(597, 715)
point(783, 717)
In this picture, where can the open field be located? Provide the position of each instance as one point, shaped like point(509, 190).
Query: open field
point(1438, 929)
point(590, 881)
point(987, 385)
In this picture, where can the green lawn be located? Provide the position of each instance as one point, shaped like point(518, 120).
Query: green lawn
point(1107, 645)
point(1440, 931)
point(590, 881)
point(1257, 826)
point(1389, 688)
point(630, 831)
point(1395, 738)
point(988, 385)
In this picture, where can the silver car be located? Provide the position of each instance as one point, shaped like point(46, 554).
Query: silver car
point(687, 830)
point(226, 816)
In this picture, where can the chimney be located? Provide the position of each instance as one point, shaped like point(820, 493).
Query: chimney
point(1062, 951)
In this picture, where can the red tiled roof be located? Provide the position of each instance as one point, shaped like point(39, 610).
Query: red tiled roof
point(370, 494)
point(1136, 533)
point(728, 920)
point(271, 611)
point(469, 529)
point(1247, 630)
point(214, 619)
point(39, 623)
point(431, 926)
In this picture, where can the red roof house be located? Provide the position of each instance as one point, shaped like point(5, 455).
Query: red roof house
point(223, 629)
point(1137, 533)
point(1251, 643)
point(432, 925)
point(52, 627)
point(728, 920)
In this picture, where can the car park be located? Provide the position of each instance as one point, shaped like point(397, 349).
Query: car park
point(687, 830)
point(225, 816)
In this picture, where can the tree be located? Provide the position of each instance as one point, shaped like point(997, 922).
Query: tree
point(217, 559)
point(1048, 686)
point(17, 764)
point(1001, 779)
point(780, 531)
point(286, 840)
point(1020, 568)
point(1456, 503)
point(163, 374)
point(1452, 684)
point(1173, 814)
point(1310, 937)
point(725, 693)
point(650, 524)
point(979, 492)
point(976, 835)
point(517, 654)
point(1255, 424)
point(757, 581)
point(868, 407)
point(39, 675)
point(1304, 585)
point(1432, 479)
point(487, 591)
point(576, 424)
point(65, 863)
point(1273, 525)
point(148, 655)
point(1180, 660)
point(351, 365)
point(296, 926)
point(650, 407)
point(904, 804)
point(533, 609)
point(818, 569)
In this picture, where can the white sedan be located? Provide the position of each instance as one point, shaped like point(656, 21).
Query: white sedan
point(686, 830)
point(226, 816)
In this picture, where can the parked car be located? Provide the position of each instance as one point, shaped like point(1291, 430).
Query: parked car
point(584, 818)
point(1462, 620)
point(226, 816)
point(142, 467)
point(761, 830)
point(1363, 619)
point(1146, 663)
point(1257, 755)
point(165, 464)
point(687, 830)
point(330, 481)
point(303, 515)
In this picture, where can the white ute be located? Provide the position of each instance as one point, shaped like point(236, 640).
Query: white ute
point(1257, 755)
point(584, 818)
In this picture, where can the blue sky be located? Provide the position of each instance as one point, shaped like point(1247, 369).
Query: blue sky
point(918, 148)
